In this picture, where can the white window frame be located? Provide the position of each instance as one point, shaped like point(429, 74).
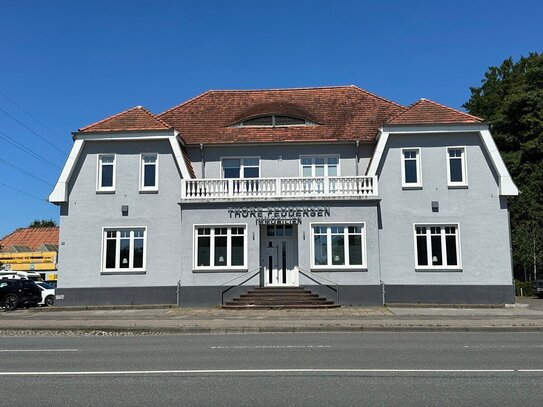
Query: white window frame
point(332, 267)
point(443, 267)
point(117, 268)
point(418, 159)
point(99, 187)
point(313, 156)
point(464, 162)
point(212, 267)
point(143, 188)
point(241, 166)
point(273, 117)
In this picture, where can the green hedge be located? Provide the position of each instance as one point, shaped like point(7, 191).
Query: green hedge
point(527, 289)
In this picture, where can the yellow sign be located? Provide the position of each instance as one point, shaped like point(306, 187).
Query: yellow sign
point(51, 277)
point(30, 261)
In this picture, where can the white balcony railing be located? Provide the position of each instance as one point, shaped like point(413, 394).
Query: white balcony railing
point(277, 188)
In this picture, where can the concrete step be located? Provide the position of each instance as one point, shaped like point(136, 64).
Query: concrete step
point(297, 306)
point(286, 295)
point(279, 297)
point(277, 301)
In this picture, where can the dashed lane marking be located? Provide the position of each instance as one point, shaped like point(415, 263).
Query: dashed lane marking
point(272, 347)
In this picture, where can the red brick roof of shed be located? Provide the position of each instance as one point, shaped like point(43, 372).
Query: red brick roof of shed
point(342, 113)
point(426, 111)
point(31, 237)
point(135, 119)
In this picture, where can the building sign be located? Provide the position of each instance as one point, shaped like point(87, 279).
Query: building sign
point(279, 215)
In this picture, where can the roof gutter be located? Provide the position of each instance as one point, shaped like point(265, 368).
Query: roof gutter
point(203, 160)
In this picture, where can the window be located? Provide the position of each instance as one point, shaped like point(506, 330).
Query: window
point(124, 250)
point(274, 121)
point(437, 247)
point(279, 230)
point(220, 247)
point(106, 173)
point(149, 172)
point(338, 246)
point(456, 168)
point(411, 168)
point(321, 166)
point(247, 167)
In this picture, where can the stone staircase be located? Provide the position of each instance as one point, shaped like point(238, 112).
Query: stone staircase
point(283, 297)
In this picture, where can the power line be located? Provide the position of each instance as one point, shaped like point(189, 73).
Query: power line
point(29, 129)
point(23, 192)
point(26, 150)
point(24, 172)
point(32, 116)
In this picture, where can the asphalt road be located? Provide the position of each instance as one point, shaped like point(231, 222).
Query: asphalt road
point(414, 369)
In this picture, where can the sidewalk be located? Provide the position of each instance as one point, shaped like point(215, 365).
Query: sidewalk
point(524, 316)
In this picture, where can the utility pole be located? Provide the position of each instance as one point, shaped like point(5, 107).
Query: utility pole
point(535, 262)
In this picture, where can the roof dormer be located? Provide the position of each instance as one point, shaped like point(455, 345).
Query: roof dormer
point(273, 120)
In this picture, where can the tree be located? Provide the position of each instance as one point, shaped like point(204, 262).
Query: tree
point(511, 99)
point(43, 223)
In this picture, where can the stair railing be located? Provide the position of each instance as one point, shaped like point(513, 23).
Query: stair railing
point(332, 284)
point(250, 275)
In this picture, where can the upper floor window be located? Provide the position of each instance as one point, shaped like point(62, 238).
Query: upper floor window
point(106, 173)
point(274, 121)
point(319, 166)
point(411, 168)
point(149, 172)
point(245, 167)
point(456, 167)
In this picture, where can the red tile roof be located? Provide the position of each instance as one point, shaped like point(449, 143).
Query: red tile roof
point(343, 113)
point(136, 119)
point(428, 112)
point(31, 237)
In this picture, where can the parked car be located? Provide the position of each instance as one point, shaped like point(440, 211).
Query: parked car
point(538, 288)
point(21, 292)
point(47, 294)
point(28, 275)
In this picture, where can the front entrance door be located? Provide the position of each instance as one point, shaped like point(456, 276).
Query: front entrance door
point(279, 255)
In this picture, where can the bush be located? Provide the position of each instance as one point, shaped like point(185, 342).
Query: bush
point(527, 289)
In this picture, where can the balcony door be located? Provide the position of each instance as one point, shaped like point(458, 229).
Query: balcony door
point(315, 170)
point(279, 255)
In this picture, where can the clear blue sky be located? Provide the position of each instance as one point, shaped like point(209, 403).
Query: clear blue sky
point(70, 63)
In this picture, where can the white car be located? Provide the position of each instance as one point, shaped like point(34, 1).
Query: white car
point(47, 293)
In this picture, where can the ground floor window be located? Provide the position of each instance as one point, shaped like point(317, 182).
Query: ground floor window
point(220, 247)
point(437, 246)
point(338, 246)
point(124, 249)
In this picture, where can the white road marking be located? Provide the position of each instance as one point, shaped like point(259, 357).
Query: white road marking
point(39, 350)
point(245, 371)
point(502, 346)
point(272, 347)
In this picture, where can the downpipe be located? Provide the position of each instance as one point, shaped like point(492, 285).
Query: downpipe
point(178, 293)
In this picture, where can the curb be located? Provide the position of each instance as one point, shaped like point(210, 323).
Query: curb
point(102, 307)
point(454, 306)
point(105, 331)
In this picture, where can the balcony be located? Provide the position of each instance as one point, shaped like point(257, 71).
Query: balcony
point(264, 189)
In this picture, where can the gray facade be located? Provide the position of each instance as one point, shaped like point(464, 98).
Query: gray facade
point(357, 235)
point(478, 210)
